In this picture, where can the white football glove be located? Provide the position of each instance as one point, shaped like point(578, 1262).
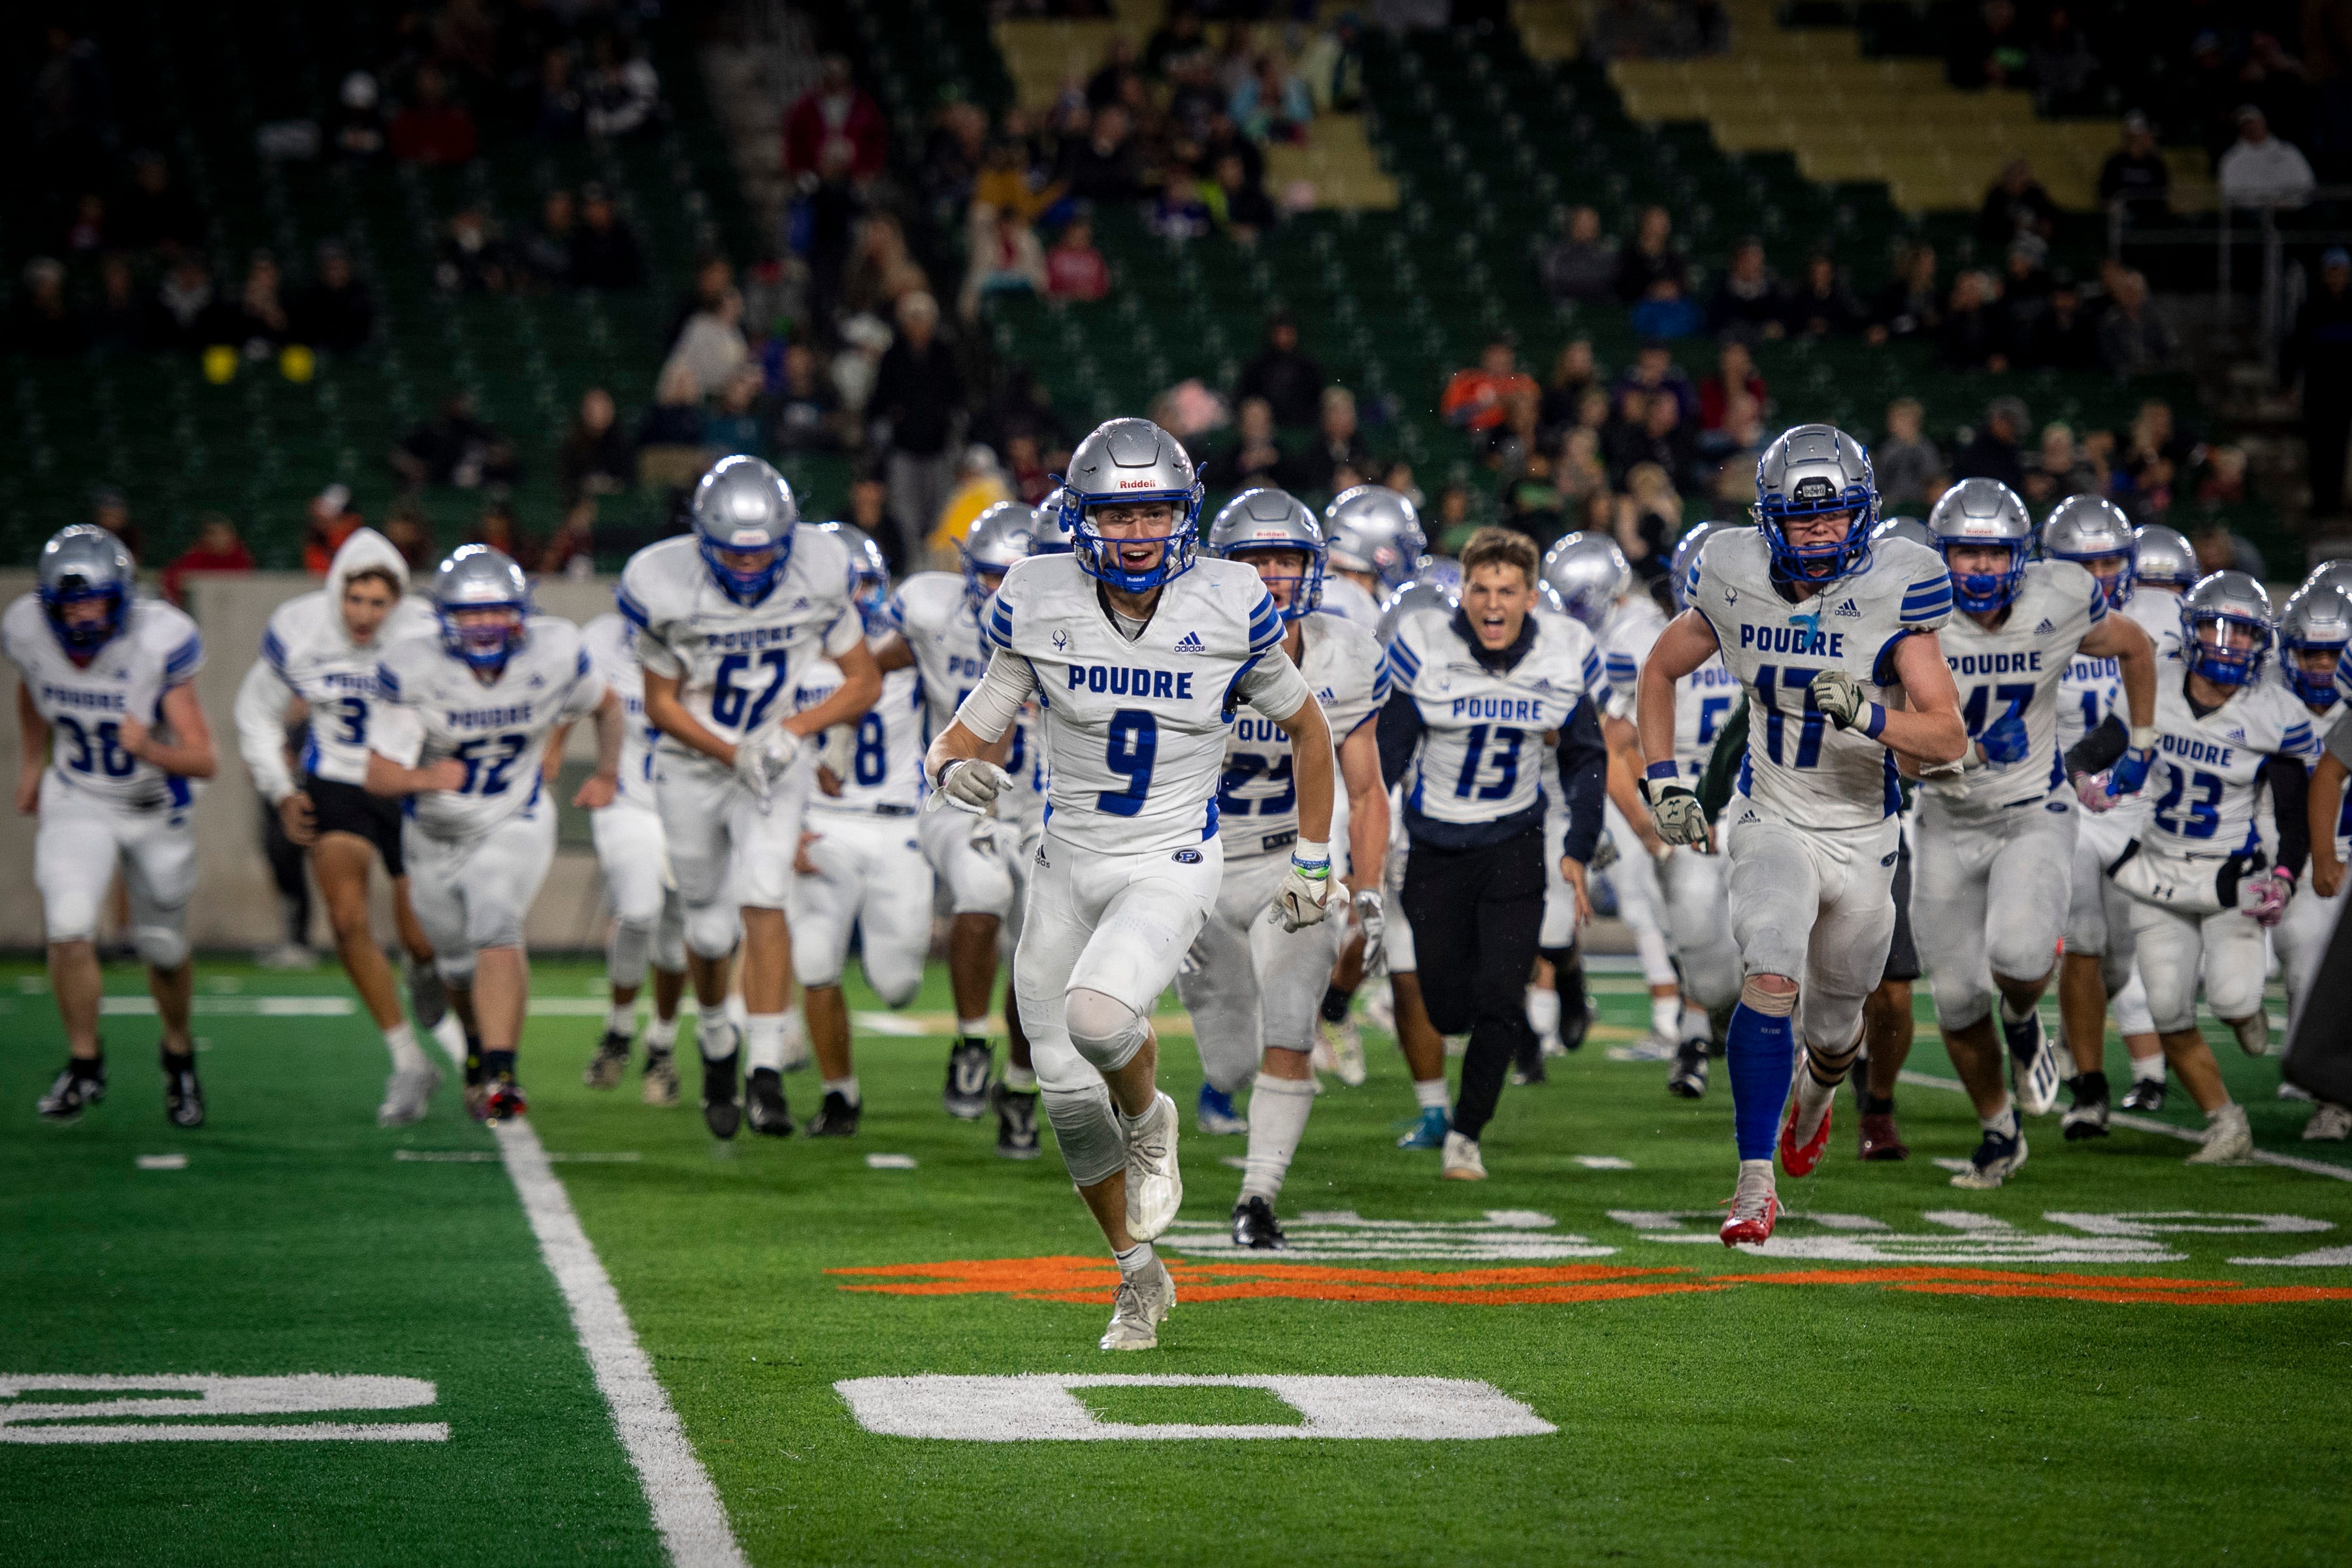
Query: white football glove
point(838, 751)
point(1839, 695)
point(1372, 918)
point(1304, 896)
point(759, 763)
point(1678, 816)
point(970, 785)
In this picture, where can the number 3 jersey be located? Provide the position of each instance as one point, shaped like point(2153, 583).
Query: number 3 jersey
point(735, 663)
point(434, 707)
point(2204, 786)
point(2017, 668)
point(611, 644)
point(885, 761)
point(1799, 766)
point(1482, 755)
point(85, 705)
point(1257, 799)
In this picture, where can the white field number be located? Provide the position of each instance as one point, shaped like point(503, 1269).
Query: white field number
point(1039, 1407)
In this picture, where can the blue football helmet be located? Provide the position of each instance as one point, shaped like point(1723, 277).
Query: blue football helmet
point(1814, 471)
point(743, 507)
point(1005, 533)
point(1268, 519)
point(2226, 599)
point(476, 577)
point(78, 564)
point(1128, 462)
point(1982, 514)
point(2316, 620)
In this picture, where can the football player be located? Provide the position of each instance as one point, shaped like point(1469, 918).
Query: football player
point(1251, 986)
point(111, 741)
point(1819, 623)
point(322, 649)
point(1373, 541)
point(1140, 653)
point(2329, 820)
point(726, 617)
point(2314, 629)
point(463, 719)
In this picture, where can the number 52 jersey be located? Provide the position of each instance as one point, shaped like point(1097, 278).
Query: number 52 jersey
point(157, 649)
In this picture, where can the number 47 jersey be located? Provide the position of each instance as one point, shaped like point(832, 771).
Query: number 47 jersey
point(85, 705)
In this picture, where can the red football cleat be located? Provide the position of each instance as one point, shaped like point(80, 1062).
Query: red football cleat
point(1754, 1207)
point(1799, 1162)
point(504, 1102)
point(1882, 1139)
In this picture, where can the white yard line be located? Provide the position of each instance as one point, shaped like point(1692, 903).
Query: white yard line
point(686, 1507)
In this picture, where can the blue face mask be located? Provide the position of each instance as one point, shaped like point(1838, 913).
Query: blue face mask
point(2316, 690)
point(750, 586)
point(1983, 591)
point(2223, 666)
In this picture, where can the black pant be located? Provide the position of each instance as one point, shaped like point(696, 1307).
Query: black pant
point(1476, 914)
point(285, 869)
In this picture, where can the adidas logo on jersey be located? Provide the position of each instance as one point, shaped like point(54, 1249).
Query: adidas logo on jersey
point(1191, 643)
point(1327, 695)
point(2044, 630)
point(1847, 611)
point(2239, 735)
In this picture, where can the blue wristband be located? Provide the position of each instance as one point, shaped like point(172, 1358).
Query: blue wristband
point(1876, 722)
point(1664, 773)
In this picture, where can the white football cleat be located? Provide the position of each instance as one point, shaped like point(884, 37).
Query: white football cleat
point(1461, 1162)
point(1155, 1188)
point(2328, 1124)
point(2228, 1139)
point(406, 1094)
point(2033, 1069)
point(1142, 1304)
point(1345, 1044)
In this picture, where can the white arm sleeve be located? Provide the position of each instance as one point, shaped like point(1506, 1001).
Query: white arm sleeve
point(397, 734)
point(1274, 687)
point(261, 730)
point(996, 702)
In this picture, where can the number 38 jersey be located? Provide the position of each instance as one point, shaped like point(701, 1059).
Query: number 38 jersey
point(1482, 754)
point(1257, 799)
point(886, 760)
point(157, 649)
point(2203, 787)
point(1798, 765)
point(433, 707)
point(611, 644)
point(735, 664)
point(2020, 667)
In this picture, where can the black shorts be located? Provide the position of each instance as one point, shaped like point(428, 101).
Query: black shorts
point(1902, 954)
point(347, 808)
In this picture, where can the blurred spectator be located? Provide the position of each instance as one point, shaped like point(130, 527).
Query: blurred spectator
point(832, 212)
point(154, 213)
point(1664, 312)
point(622, 91)
point(733, 425)
point(595, 458)
point(2223, 482)
point(1574, 372)
point(70, 104)
point(1652, 256)
point(431, 128)
point(355, 131)
point(712, 344)
point(458, 450)
point(561, 106)
point(1580, 265)
point(919, 398)
point(497, 529)
point(605, 253)
point(1820, 306)
point(183, 301)
point(836, 111)
point(1578, 472)
point(257, 323)
point(714, 278)
point(2261, 170)
point(1337, 443)
point(1179, 37)
point(2015, 203)
point(1332, 65)
point(2134, 338)
point(1253, 459)
point(1006, 258)
point(807, 408)
point(1649, 515)
point(1987, 49)
point(1194, 101)
point(1026, 468)
point(1108, 83)
point(1286, 376)
point(869, 500)
point(1005, 182)
point(951, 157)
point(85, 234)
point(1994, 454)
point(1475, 397)
point(217, 549)
point(1971, 334)
point(2057, 470)
point(571, 549)
point(1909, 304)
point(110, 511)
point(1747, 303)
point(2219, 550)
point(1909, 470)
point(543, 254)
point(1271, 104)
point(2061, 337)
point(2137, 175)
point(2061, 64)
point(863, 342)
point(670, 453)
point(1075, 269)
point(2024, 289)
point(979, 485)
point(40, 322)
point(880, 271)
point(336, 312)
point(471, 259)
point(411, 534)
point(331, 521)
point(1735, 372)
point(118, 322)
point(1236, 204)
point(1654, 369)
point(1662, 440)
point(1736, 448)
point(2318, 354)
point(1101, 166)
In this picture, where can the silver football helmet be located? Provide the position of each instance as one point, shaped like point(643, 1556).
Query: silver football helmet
point(476, 578)
point(1418, 595)
point(1811, 471)
point(1128, 461)
point(1910, 528)
point(1684, 569)
point(1268, 519)
point(2223, 600)
point(78, 564)
point(743, 507)
point(2316, 620)
point(1588, 572)
point(2089, 531)
point(998, 537)
point(869, 574)
point(2335, 574)
point(1374, 529)
point(1982, 514)
point(1053, 534)
point(2163, 555)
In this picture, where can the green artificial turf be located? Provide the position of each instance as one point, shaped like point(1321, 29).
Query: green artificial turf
point(1843, 1420)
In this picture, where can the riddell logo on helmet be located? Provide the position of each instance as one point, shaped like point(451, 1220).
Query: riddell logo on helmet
point(1137, 485)
point(749, 539)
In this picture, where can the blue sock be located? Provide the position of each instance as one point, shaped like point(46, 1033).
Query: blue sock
point(1761, 1051)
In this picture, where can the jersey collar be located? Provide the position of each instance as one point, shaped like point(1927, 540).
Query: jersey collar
point(1500, 661)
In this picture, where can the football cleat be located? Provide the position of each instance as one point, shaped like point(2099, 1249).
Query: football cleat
point(2145, 1094)
point(610, 1062)
point(1688, 1077)
point(428, 999)
point(1214, 1114)
point(1142, 1304)
point(1573, 1028)
point(1880, 1139)
point(2228, 1140)
point(2087, 1117)
point(406, 1094)
point(1016, 1121)
point(2254, 1035)
point(720, 1111)
point(2032, 1065)
point(1155, 1186)
point(1461, 1162)
point(503, 1101)
point(1347, 1046)
point(78, 1085)
point(1799, 1160)
point(1255, 1227)
point(660, 1077)
point(966, 1095)
point(763, 1103)
point(1996, 1159)
point(1755, 1206)
point(183, 1097)
point(836, 1118)
point(1528, 1063)
point(1428, 1132)
point(2328, 1124)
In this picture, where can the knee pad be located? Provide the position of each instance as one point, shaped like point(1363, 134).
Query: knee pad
point(161, 946)
point(895, 991)
point(710, 930)
point(1086, 1129)
point(455, 970)
point(1771, 1004)
point(625, 955)
point(1958, 1005)
point(491, 924)
point(1106, 1031)
point(669, 939)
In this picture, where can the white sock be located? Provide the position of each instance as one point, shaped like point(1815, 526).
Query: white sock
point(622, 1019)
point(1020, 1080)
point(1277, 1121)
point(795, 1039)
point(1812, 1102)
point(2148, 1070)
point(2003, 1121)
point(1665, 1017)
point(661, 1033)
point(973, 1028)
point(1429, 1093)
point(844, 1087)
point(712, 1027)
point(401, 1041)
point(1135, 1259)
point(1543, 1010)
point(763, 1042)
point(1696, 1023)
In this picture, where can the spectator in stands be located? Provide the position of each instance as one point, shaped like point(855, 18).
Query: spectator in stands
point(670, 453)
point(431, 128)
point(2134, 337)
point(356, 131)
point(1574, 372)
point(2061, 64)
point(2261, 170)
point(41, 322)
point(833, 211)
point(605, 254)
point(1236, 206)
point(1075, 269)
point(458, 450)
point(1649, 515)
point(1972, 336)
point(1909, 305)
point(561, 108)
point(1664, 439)
point(807, 407)
point(497, 529)
point(2224, 481)
point(411, 534)
point(1286, 375)
point(118, 322)
point(1735, 449)
point(1006, 258)
point(2219, 550)
point(571, 549)
point(543, 253)
point(952, 155)
point(712, 345)
point(1654, 369)
point(881, 270)
point(1194, 102)
point(1101, 166)
point(1580, 265)
point(111, 511)
point(1578, 472)
point(595, 458)
point(1004, 180)
point(86, 233)
point(1987, 49)
point(1181, 36)
point(2317, 353)
point(183, 301)
point(472, 258)
point(217, 549)
point(1253, 459)
point(1332, 65)
point(1271, 104)
point(1822, 306)
point(1747, 303)
point(1735, 372)
point(919, 398)
point(71, 105)
point(836, 111)
point(623, 90)
point(1475, 397)
point(979, 485)
point(734, 425)
point(1107, 85)
point(1651, 257)
point(1909, 470)
point(1338, 444)
point(154, 213)
point(2056, 470)
point(336, 312)
point(2016, 204)
point(331, 521)
point(1026, 470)
point(1665, 313)
point(257, 323)
point(2061, 337)
point(2136, 174)
point(1994, 454)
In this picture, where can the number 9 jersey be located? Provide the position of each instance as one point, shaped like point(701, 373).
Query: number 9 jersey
point(85, 705)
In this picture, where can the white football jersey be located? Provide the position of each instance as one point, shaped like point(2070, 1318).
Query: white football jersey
point(1626, 637)
point(1798, 764)
point(886, 769)
point(308, 648)
point(1703, 698)
point(1344, 600)
point(611, 644)
point(1482, 754)
point(735, 663)
point(1135, 732)
point(2202, 790)
point(1257, 799)
point(2018, 667)
point(2157, 613)
point(949, 637)
point(434, 706)
point(84, 705)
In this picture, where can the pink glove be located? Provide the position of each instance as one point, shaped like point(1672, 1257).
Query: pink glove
point(2091, 789)
point(2263, 898)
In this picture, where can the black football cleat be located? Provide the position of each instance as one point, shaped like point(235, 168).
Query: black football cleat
point(2087, 1117)
point(78, 1085)
point(1687, 1080)
point(1572, 1029)
point(721, 1110)
point(428, 999)
point(503, 1099)
point(1255, 1227)
point(183, 1097)
point(836, 1118)
point(1016, 1121)
point(763, 1103)
point(2145, 1094)
point(966, 1095)
point(612, 1060)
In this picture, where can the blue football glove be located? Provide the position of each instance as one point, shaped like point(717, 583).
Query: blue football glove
point(2004, 739)
point(2130, 772)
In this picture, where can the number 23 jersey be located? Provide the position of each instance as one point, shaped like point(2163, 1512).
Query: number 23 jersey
point(85, 705)
point(2202, 789)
